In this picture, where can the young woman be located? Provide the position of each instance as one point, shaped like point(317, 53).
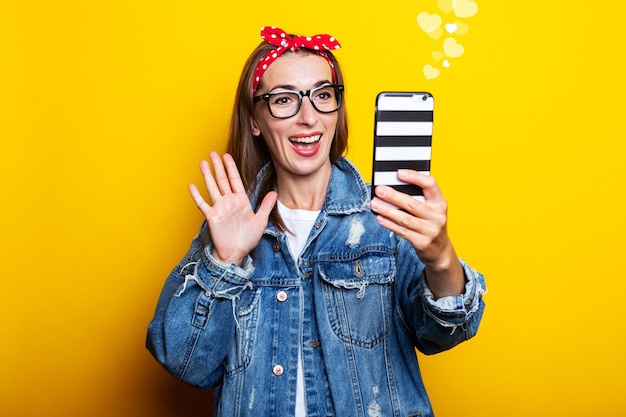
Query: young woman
point(300, 296)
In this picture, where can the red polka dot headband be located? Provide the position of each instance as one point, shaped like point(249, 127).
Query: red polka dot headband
point(284, 42)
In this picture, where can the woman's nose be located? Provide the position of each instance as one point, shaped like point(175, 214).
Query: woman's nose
point(307, 113)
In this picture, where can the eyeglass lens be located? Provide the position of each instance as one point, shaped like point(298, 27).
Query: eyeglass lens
point(287, 103)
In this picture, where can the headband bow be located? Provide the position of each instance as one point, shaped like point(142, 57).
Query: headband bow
point(284, 42)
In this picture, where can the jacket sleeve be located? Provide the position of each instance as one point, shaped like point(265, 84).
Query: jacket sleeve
point(194, 325)
point(438, 324)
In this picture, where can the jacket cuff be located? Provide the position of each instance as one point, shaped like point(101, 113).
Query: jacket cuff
point(218, 279)
point(455, 310)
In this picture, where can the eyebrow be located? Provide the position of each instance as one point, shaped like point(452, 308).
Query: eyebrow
point(292, 87)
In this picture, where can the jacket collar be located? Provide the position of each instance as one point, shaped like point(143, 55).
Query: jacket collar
point(347, 192)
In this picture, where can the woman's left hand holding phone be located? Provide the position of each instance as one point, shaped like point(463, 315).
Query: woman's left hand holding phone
point(234, 226)
point(424, 225)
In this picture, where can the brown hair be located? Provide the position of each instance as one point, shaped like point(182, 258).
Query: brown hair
point(250, 152)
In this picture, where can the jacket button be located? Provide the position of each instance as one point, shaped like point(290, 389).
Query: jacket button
point(278, 370)
point(281, 296)
point(276, 247)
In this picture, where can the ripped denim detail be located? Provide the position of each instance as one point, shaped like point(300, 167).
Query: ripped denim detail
point(351, 285)
point(188, 278)
point(220, 289)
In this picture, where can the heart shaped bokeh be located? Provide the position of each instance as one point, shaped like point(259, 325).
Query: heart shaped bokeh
point(447, 17)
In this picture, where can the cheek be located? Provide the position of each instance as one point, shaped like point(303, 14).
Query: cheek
point(332, 127)
point(265, 129)
point(271, 136)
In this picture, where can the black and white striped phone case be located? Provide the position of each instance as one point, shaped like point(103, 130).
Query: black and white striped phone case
point(403, 134)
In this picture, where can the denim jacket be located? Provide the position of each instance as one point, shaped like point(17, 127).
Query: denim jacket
point(355, 304)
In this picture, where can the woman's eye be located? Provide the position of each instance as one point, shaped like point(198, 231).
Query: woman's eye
point(323, 95)
point(282, 100)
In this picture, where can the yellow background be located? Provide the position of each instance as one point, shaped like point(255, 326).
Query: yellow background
point(107, 107)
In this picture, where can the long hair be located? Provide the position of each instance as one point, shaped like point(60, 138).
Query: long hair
point(250, 152)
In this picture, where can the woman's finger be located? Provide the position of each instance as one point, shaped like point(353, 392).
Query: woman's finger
point(209, 181)
point(221, 178)
point(234, 177)
point(432, 193)
point(397, 200)
point(199, 200)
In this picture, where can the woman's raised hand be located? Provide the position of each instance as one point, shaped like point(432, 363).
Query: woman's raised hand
point(234, 226)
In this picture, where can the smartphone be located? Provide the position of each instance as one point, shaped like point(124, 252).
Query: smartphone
point(403, 132)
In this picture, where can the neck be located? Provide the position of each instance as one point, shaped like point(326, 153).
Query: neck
point(304, 193)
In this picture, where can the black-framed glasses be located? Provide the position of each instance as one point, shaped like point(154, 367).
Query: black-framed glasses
point(284, 104)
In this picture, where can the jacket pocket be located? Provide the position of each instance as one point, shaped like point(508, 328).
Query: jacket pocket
point(358, 297)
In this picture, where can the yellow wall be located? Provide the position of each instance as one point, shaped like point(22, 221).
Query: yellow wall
point(107, 107)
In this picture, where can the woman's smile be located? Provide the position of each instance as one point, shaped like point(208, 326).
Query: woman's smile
point(307, 145)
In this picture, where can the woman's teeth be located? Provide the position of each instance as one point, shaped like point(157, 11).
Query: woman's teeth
point(310, 139)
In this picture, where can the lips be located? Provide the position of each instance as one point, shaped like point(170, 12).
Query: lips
point(306, 145)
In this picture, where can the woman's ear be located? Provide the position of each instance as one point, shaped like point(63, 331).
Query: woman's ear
point(254, 127)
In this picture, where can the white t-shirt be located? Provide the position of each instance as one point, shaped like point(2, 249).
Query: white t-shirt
point(300, 222)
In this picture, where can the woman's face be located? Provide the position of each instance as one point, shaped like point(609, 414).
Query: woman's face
point(299, 145)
